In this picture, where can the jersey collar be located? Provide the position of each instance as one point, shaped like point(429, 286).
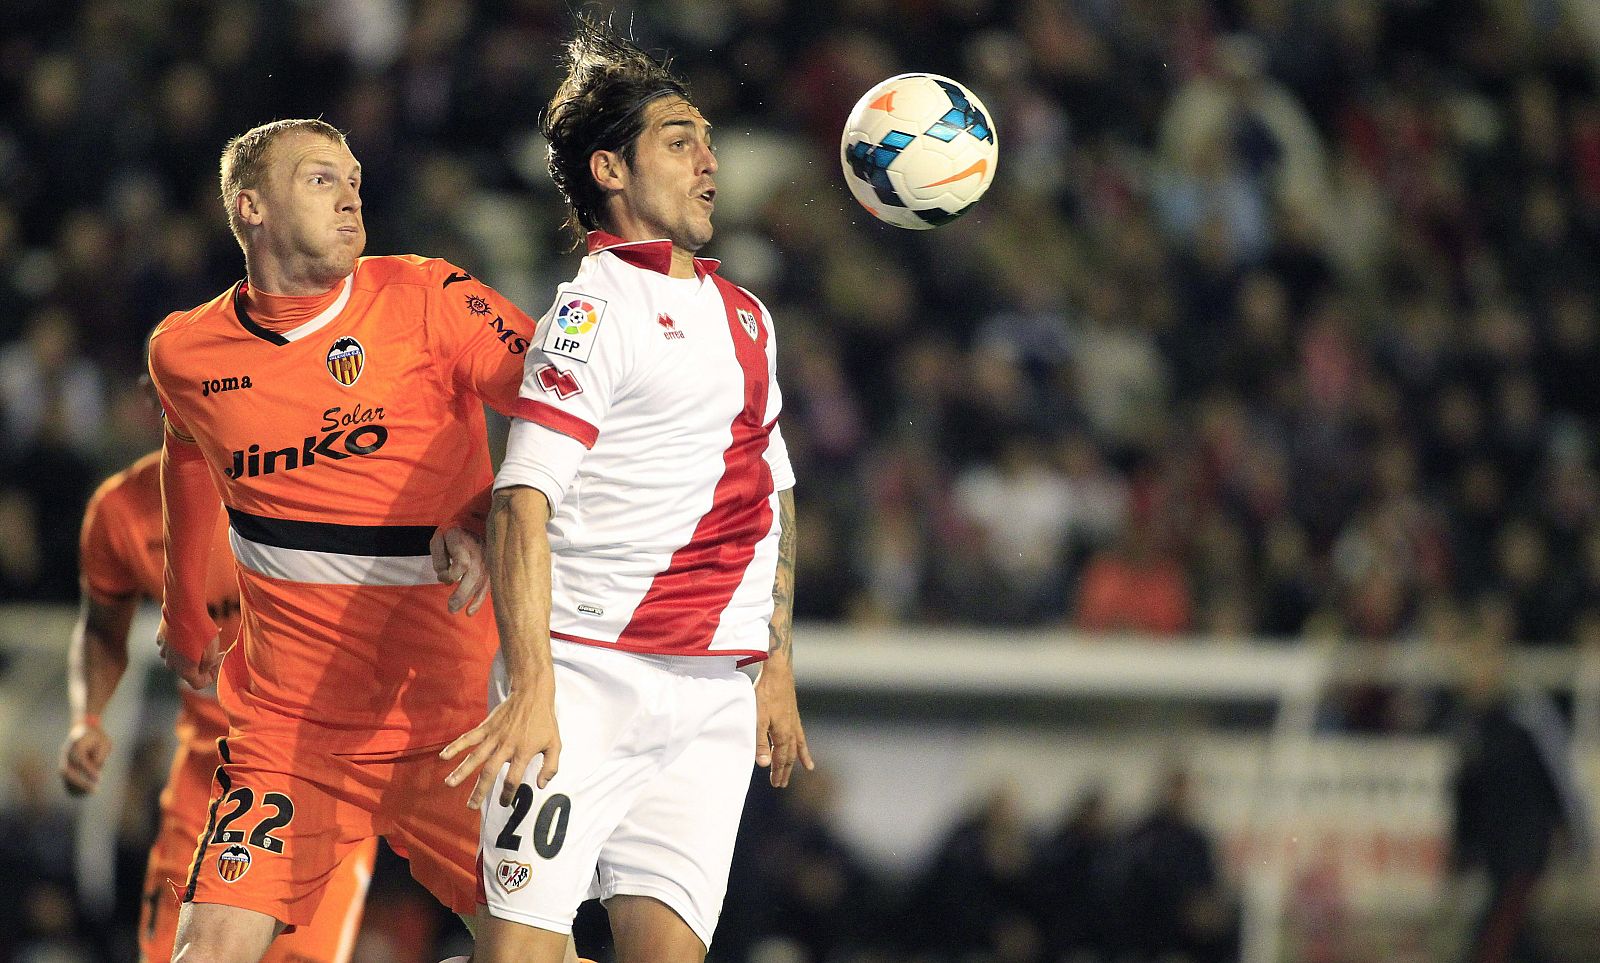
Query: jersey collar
point(651, 255)
point(300, 331)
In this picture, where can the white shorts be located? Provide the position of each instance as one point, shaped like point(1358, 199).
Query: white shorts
point(656, 755)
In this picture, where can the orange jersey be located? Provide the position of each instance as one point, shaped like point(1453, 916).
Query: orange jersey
point(119, 550)
point(120, 557)
point(338, 446)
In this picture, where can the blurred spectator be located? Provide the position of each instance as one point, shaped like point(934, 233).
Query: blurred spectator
point(977, 894)
point(1136, 586)
point(44, 377)
point(811, 890)
point(56, 480)
point(19, 530)
point(1023, 510)
point(36, 860)
point(1515, 796)
point(1076, 878)
point(1173, 900)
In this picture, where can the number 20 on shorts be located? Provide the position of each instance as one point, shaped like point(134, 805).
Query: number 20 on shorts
point(549, 827)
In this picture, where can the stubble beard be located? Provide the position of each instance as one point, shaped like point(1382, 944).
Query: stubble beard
point(335, 262)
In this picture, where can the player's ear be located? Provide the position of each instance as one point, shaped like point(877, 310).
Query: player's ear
point(608, 170)
point(247, 205)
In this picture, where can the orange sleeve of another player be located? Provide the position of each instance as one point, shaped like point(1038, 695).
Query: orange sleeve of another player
point(104, 573)
point(189, 509)
point(478, 334)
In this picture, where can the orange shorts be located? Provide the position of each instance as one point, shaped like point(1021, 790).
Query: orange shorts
point(284, 817)
point(328, 938)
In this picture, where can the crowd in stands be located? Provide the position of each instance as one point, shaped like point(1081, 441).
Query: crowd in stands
point(1280, 320)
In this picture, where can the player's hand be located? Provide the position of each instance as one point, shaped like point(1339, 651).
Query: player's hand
point(516, 730)
point(83, 755)
point(458, 558)
point(201, 674)
point(780, 738)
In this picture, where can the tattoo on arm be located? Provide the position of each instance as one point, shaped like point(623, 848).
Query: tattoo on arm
point(778, 632)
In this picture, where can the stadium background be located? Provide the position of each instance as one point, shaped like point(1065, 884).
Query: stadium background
point(1254, 402)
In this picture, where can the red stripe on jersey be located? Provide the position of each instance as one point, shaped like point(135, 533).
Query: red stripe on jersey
point(682, 608)
point(555, 419)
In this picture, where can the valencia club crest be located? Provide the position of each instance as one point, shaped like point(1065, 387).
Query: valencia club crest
point(345, 360)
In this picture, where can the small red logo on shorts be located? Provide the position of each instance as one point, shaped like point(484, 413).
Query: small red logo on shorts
point(513, 875)
point(233, 863)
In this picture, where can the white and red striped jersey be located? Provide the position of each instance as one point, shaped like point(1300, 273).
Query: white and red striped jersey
point(648, 417)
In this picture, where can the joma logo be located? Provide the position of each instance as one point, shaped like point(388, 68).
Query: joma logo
point(216, 385)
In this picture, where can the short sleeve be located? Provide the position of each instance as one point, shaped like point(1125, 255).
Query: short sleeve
point(104, 570)
point(160, 367)
point(777, 456)
point(480, 336)
point(580, 358)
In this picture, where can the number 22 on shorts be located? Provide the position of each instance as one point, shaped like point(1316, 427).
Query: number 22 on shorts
point(244, 799)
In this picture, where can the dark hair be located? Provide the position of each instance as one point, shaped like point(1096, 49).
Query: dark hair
point(244, 159)
point(599, 106)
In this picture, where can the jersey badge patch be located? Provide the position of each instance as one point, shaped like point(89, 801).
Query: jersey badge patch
point(748, 319)
point(561, 383)
point(233, 863)
point(346, 359)
point(513, 875)
point(572, 329)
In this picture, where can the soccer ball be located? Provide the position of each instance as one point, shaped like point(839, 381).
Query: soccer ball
point(918, 150)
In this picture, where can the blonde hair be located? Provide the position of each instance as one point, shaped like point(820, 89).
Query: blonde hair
point(244, 160)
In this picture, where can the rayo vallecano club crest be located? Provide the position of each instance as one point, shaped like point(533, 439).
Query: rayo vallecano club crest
point(346, 359)
point(748, 319)
point(513, 875)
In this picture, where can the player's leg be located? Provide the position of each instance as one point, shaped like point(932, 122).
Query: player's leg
point(570, 957)
point(644, 928)
point(214, 933)
point(184, 804)
point(430, 825)
point(540, 852)
point(330, 937)
point(506, 941)
point(282, 820)
point(664, 872)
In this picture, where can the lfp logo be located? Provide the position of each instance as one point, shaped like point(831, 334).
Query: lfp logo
point(575, 325)
point(577, 317)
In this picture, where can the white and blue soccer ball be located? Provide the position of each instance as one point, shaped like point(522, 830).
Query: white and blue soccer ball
point(918, 150)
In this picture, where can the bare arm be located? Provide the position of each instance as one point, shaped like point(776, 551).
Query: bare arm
point(524, 725)
point(780, 737)
point(95, 663)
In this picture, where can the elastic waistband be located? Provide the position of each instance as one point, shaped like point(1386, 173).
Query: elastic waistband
point(695, 665)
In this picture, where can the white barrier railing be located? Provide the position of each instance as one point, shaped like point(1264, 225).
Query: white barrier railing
point(1271, 774)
